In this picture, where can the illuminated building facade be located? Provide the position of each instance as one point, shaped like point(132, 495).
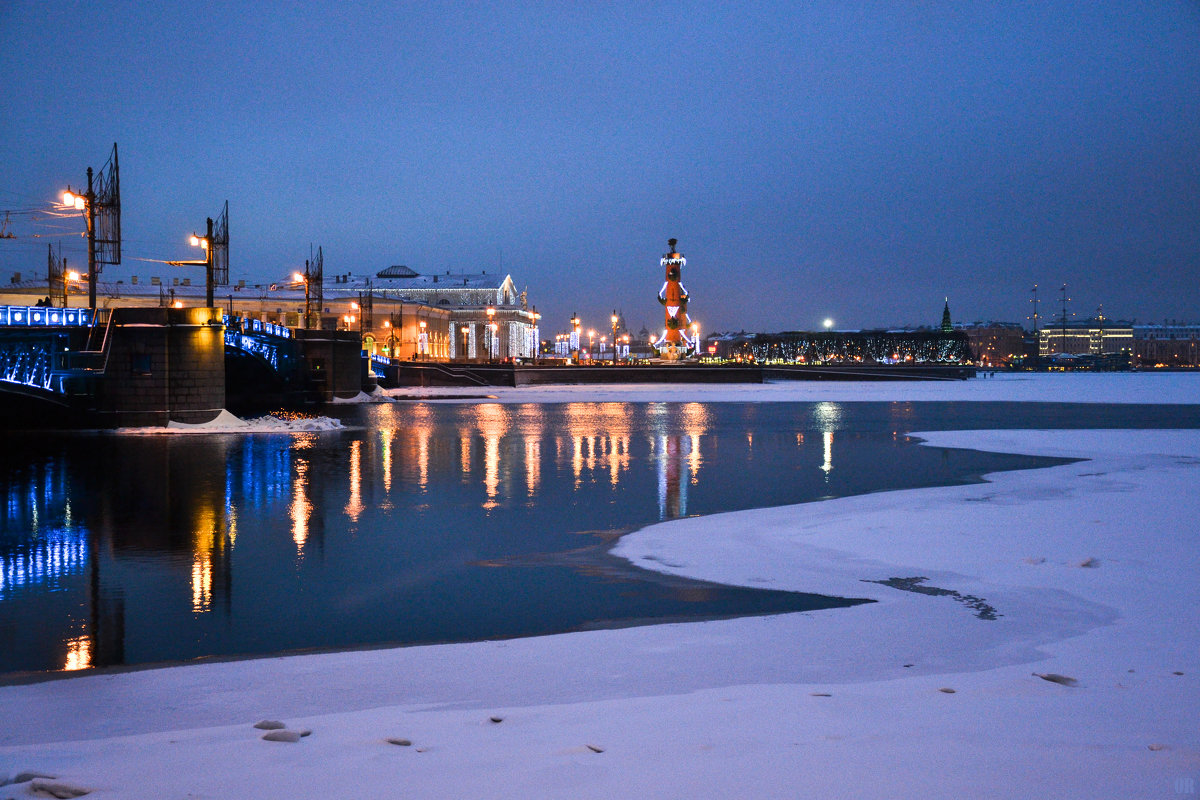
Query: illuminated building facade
point(1093, 337)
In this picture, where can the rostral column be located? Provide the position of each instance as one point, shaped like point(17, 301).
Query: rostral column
point(674, 343)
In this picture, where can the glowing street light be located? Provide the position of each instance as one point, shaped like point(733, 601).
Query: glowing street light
point(68, 276)
point(534, 334)
point(204, 242)
point(465, 330)
point(87, 204)
point(614, 330)
point(828, 323)
point(575, 336)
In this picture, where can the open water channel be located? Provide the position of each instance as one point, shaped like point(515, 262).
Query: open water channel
point(426, 522)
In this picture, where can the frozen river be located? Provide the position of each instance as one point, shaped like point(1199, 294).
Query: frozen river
point(425, 522)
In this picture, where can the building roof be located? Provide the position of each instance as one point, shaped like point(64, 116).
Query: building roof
point(402, 278)
point(397, 271)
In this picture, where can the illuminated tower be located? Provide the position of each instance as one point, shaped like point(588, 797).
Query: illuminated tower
point(674, 343)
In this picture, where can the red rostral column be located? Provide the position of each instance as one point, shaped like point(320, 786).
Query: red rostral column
point(674, 342)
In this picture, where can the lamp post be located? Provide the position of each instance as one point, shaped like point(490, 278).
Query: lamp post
point(422, 341)
point(87, 204)
point(303, 278)
point(206, 242)
point(614, 339)
point(491, 328)
point(68, 275)
point(696, 337)
point(537, 345)
point(574, 337)
point(465, 330)
point(591, 341)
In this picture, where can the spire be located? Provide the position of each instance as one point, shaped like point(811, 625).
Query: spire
point(947, 325)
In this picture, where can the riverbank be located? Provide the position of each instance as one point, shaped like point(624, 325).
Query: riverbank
point(1082, 573)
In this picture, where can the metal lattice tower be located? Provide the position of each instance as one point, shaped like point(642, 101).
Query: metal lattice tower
point(220, 247)
point(108, 212)
point(316, 281)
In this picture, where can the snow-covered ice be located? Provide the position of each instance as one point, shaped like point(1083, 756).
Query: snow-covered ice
point(1088, 569)
point(1078, 387)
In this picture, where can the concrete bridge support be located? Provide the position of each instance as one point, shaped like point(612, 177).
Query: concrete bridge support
point(161, 365)
point(334, 363)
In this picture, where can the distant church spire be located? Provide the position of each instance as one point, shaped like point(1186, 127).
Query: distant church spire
point(947, 325)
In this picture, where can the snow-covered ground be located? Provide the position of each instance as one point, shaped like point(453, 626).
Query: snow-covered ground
point(1083, 573)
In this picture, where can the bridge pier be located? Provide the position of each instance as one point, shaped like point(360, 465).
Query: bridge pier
point(160, 365)
point(333, 361)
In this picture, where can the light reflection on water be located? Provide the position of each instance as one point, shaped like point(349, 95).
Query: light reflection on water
point(426, 523)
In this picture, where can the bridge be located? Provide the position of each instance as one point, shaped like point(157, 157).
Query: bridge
point(35, 343)
point(148, 366)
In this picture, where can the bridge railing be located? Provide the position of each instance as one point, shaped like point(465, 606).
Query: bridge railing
point(247, 325)
point(43, 317)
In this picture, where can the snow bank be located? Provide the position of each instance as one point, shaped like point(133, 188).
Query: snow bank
point(226, 422)
point(1089, 569)
point(376, 395)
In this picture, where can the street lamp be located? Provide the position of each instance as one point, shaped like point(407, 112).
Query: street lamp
point(828, 323)
point(614, 327)
point(491, 315)
point(422, 340)
point(87, 204)
point(465, 330)
point(591, 341)
point(696, 337)
point(537, 345)
point(492, 342)
point(391, 348)
point(303, 278)
point(70, 275)
point(205, 242)
point(574, 336)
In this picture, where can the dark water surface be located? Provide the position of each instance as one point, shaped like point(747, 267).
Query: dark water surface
point(432, 522)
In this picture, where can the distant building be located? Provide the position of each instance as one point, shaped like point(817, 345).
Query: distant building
point(399, 312)
point(995, 344)
point(509, 331)
point(1093, 337)
point(1166, 345)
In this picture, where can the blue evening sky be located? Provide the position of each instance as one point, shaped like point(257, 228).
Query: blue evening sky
point(856, 160)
